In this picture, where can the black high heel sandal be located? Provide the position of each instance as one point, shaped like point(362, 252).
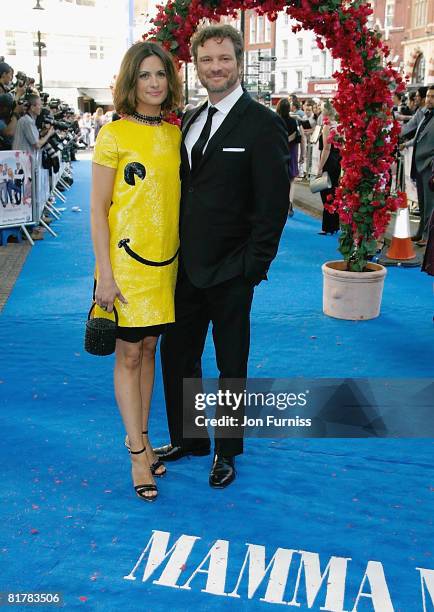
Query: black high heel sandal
point(144, 488)
point(157, 463)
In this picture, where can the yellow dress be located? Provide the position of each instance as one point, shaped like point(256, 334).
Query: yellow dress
point(143, 218)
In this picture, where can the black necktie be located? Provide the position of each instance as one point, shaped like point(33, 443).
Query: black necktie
point(199, 145)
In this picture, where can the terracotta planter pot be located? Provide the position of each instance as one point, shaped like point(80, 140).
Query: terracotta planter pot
point(353, 296)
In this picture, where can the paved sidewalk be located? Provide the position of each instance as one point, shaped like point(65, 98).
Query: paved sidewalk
point(12, 258)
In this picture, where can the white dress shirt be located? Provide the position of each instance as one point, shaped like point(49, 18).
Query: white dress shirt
point(223, 108)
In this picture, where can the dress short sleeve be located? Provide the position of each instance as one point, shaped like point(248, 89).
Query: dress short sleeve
point(106, 148)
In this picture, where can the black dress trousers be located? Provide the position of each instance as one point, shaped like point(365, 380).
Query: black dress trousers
point(227, 306)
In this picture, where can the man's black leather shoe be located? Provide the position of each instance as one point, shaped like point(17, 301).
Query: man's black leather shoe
point(173, 453)
point(222, 472)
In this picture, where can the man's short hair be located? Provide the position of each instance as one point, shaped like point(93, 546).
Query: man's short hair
point(220, 32)
point(32, 98)
point(296, 104)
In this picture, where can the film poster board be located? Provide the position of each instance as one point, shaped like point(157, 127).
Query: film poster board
point(16, 201)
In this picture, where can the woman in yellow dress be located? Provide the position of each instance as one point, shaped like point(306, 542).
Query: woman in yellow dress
point(134, 219)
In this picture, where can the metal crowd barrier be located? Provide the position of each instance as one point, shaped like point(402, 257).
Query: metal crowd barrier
point(28, 192)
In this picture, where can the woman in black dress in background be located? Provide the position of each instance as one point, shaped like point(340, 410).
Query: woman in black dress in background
point(330, 161)
point(283, 109)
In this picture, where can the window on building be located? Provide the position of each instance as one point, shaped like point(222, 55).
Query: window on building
point(286, 19)
point(285, 48)
point(96, 49)
point(36, 45)
point(324, 62)
point(300, 46)
point(389, 14)
point(299, 75)
point(252, 34)
point(267, 30)
point(11, 45)
point(284, 80)
point(418, 76)
point(419, 13)
point(260, 32)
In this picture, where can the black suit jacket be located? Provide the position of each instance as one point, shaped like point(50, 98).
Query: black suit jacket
point(234, 206)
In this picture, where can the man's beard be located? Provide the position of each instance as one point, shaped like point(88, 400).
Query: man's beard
point(230, 82)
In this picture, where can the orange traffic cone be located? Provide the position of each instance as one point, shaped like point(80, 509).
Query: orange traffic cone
point(401, 246)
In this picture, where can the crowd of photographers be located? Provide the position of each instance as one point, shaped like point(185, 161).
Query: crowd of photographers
point(32, 121)
point(45, 128)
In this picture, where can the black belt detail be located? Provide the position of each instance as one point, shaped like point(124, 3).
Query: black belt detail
point(124, 244)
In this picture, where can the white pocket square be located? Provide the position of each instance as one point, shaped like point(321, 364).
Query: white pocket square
point(233, 150)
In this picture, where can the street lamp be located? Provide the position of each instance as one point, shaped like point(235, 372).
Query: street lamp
point(41, 45)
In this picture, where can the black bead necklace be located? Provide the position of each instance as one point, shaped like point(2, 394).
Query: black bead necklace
point(147, 119)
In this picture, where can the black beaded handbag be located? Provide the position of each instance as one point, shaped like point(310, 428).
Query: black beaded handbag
point(100, 334)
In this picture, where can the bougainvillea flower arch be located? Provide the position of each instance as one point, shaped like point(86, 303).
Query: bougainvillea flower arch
point(367, 133)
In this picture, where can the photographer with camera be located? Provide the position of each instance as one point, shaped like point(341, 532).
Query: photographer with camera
point(27, 136)
point(11, 107)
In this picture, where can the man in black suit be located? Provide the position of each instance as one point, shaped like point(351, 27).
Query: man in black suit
point(234, 206)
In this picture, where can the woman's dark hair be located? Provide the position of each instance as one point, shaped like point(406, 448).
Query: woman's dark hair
point(283, 108)
point(124, 95)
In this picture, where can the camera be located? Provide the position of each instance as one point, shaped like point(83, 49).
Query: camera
point(44, 97)
point(20, 79)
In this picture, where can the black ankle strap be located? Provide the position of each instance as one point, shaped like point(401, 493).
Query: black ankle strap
point(138, 452)
point(145, 433)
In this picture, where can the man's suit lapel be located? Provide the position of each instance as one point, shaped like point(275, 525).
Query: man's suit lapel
point(421, 134)
point(186, 124)
point(426, 129)
point(191, 118)
point(229, 123)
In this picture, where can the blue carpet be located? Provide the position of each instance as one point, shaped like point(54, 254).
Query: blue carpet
point(70, 522)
